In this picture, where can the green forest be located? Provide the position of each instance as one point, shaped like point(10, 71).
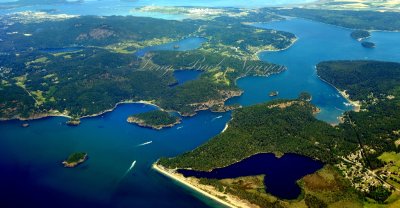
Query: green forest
point(362, 80)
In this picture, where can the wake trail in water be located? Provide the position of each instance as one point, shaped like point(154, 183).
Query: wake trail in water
point(146, 143)
point(218, 117)
point(129, 169)
point(339, 109)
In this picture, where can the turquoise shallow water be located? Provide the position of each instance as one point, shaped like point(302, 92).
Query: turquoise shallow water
point(31, 174)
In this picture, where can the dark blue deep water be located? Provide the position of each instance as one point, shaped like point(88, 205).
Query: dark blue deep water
point(31, 174)
point(281, 174)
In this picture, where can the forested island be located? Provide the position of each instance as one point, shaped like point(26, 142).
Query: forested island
point(37, 79)
point(75, 159)
point(156, 119)
point(361, 153)
point(367, 44)
point(360, 34)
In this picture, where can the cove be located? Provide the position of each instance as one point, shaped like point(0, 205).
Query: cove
point(281, 174)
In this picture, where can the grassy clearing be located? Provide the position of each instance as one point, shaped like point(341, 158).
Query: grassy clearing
point(40, 60)
point(391, 157)
point(20, 81)
point(331, 188)
point(40, 99)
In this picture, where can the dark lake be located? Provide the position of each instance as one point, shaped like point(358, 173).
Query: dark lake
point(186, 44)
point(60, 50)
point(183, 76)
point(281, 173)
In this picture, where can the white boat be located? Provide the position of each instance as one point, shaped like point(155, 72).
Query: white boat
point(133, 165)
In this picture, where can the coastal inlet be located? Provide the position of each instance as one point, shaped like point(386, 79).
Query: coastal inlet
point(281, 174)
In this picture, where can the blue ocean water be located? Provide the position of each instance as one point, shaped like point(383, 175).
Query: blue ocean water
point(281, 174)
point(30, 160)
point(316, 42)
point(31, 174)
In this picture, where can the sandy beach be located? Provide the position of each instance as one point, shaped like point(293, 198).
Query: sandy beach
point(209, 191)
point(226, 127)
point(356, 104)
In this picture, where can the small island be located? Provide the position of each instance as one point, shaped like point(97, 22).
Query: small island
point(73, 122)
point(156, 119)
point(360, 34)
point(75, 159)
point(367, 44)
point(273, 93)
point(305, 96)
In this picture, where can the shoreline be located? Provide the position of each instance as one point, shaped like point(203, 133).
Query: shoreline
point(208, 191)
point(257, 54)
point(355, 103)
point(225, 128)
point(59, 114)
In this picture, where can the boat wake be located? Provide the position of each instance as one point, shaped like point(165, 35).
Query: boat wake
point(179, 127)
point(339, 109)
point(146, 143)
point(129, 169)
point(218, 117)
